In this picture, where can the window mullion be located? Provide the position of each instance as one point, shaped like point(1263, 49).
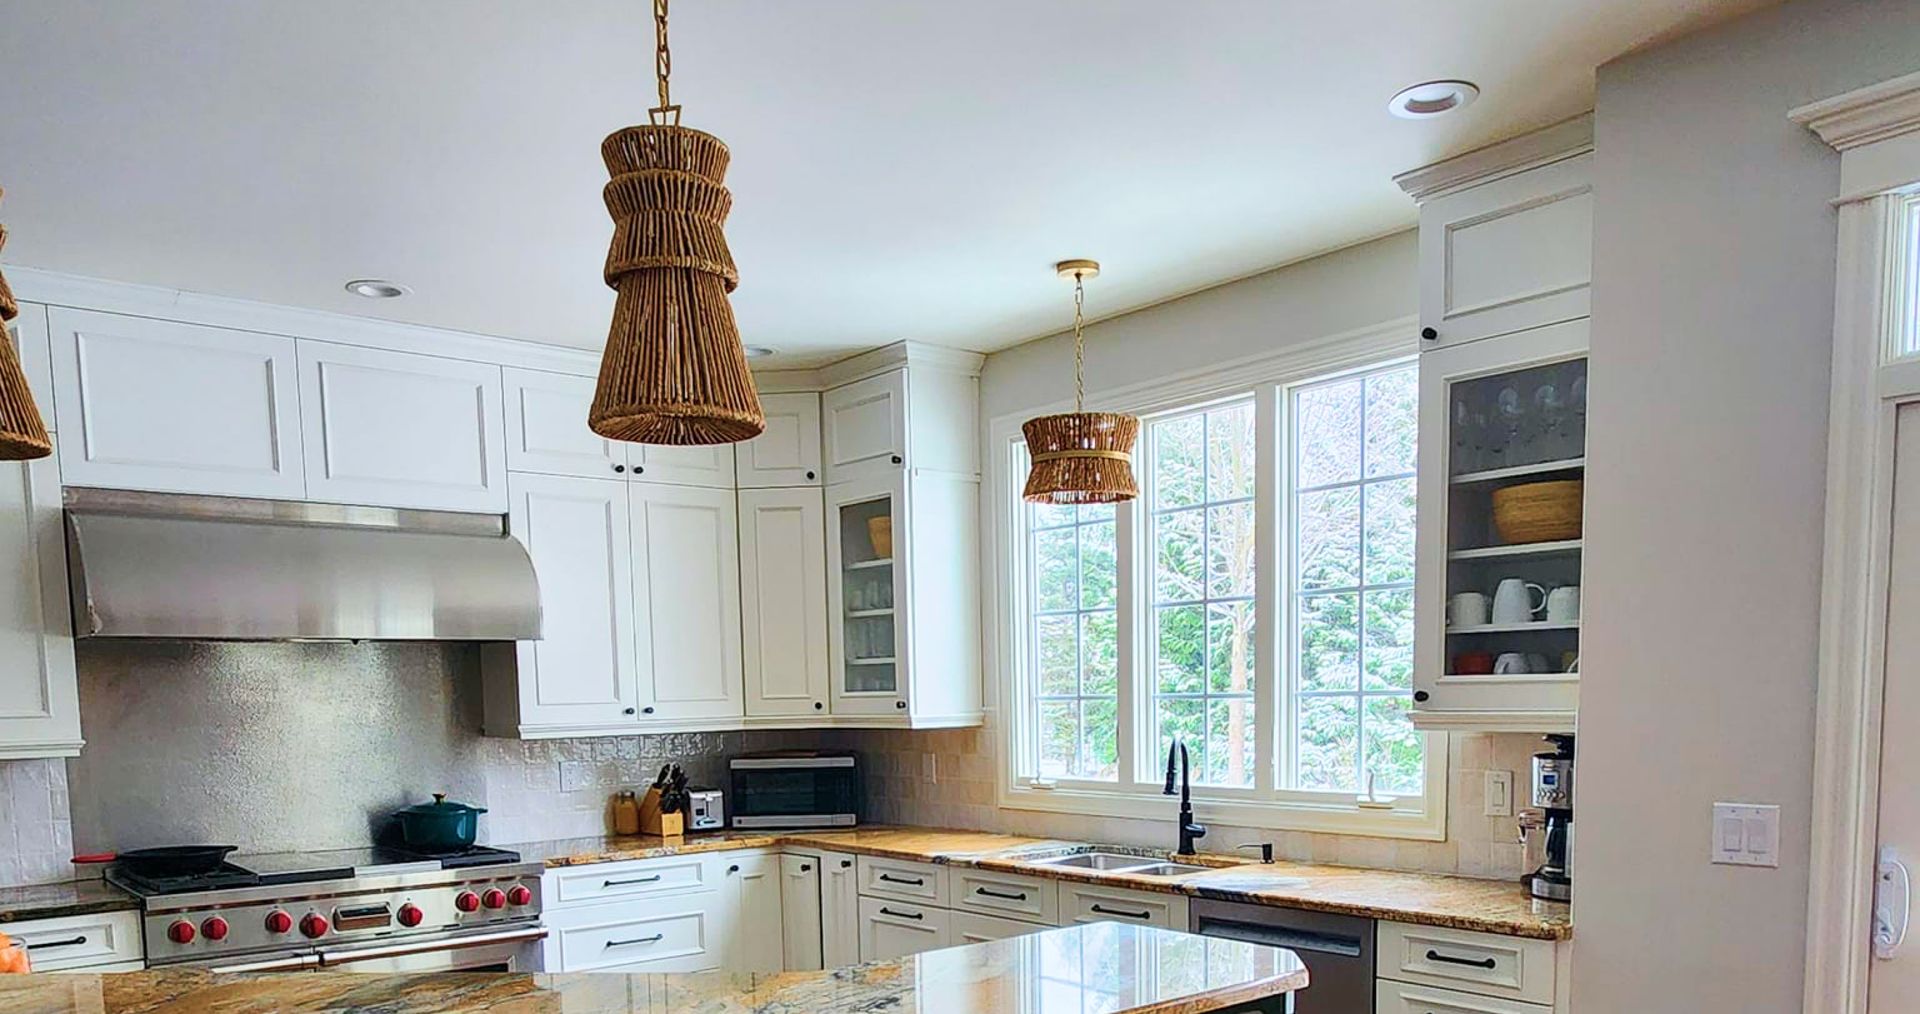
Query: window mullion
point(1128, 634)
point(1267, 598)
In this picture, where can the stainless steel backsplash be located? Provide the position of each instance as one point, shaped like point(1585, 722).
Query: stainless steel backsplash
point(308, 746)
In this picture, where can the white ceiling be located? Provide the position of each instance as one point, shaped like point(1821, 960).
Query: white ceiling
point(902, 168)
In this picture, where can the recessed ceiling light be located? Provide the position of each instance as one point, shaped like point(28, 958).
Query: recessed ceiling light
point(1433, 98)
point(376, 288)
point(757, 351)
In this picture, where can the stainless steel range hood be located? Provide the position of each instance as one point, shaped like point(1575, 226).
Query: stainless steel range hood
point(218, 568)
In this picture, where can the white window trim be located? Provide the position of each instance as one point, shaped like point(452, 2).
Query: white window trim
point(1263, 375)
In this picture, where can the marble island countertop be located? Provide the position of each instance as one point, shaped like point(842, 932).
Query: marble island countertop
point(1096, 967)
point(1488, 906)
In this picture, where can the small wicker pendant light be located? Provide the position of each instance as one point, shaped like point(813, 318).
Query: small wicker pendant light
point(1080, 456)
point(22, 435)
point(674, 371)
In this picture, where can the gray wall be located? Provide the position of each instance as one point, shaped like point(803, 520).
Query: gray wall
point(1713, 295)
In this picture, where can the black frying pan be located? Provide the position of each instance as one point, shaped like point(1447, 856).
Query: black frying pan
point(174, 860)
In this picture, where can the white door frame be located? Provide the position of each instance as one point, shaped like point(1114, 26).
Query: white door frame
point(1877, 131)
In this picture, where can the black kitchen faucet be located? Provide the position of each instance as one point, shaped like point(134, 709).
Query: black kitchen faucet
point(1188, 829)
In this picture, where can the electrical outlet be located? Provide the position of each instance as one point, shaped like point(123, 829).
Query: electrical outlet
point(1746, 834)
point(1499, 794)
point(930, 768)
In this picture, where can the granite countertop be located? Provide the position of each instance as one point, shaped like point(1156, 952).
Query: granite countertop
point(1488, 906)
point(75, 897)
point(1096, 967)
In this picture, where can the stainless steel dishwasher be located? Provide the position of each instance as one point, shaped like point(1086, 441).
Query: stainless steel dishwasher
point(1337, 949)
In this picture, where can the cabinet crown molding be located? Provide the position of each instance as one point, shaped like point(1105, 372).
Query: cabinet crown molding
point(1865, 115)
point(871, 363)
point(1563, 140)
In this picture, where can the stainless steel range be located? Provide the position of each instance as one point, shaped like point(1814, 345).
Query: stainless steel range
point(368, 910)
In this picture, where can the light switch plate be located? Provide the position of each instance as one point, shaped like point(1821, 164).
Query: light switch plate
point(1499, 794)
point(1746, 834)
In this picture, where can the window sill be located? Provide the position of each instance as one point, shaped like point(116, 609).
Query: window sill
point(1425, 824)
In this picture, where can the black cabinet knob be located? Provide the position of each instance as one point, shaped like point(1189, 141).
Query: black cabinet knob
point(648, 709)
point(817, 705)
point(629, 711)
point(809, 475)
point(734, 868)
point(1421, 695)
point(1429, 334)
point(846, 864)
point(637, 469)
point(899, 704)
point(896, 459)
point(619, 468)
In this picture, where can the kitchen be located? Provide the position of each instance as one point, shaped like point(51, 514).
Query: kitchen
point(1266, 687)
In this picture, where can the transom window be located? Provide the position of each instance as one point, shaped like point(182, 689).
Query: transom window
point(1254, 604)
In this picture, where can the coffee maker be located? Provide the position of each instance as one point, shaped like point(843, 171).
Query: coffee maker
point(1553, 814)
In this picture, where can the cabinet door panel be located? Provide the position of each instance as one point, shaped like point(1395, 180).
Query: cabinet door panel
point(401, 430)
point(701, 465)
point(895, 929)
point(679, 934)
point(788, 453)
point(783, 580)
point(581, 672)
point(151, 404)
point(1509, 255)
point(839, 910)
point(687, 600)
point(866, 426)
point(866, 596)
point(29, 334)
point(800, 912)
point(972, 928)
point(755, 922)
point(547, 427)
point(39, 703)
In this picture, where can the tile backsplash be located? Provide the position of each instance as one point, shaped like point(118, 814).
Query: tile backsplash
point(36, 833)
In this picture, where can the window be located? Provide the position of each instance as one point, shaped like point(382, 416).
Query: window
point(1907, 292)
point(1254, 604)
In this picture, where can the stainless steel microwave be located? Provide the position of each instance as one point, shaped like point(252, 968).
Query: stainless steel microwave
point(794, 789)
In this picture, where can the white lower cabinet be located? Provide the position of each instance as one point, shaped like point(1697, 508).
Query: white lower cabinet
point(1090, 903)
point(972, 928)
point(1486, 964)
point(681, 933)
point(99, 942)
point(800, 910)
point(755, 914)
point(895, 929)
point(1391, 997)
point(839, 910)
point(674, 914)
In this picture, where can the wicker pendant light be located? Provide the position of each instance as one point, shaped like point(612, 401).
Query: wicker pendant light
point(674, 371)
point(22, 435)
point(1080, 456)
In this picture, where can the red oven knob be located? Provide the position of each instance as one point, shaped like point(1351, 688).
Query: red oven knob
point(181, 932)
point(518, 894)
point(313, 925)
point(279, 922)
point(215, 928)
point(410, 915)
point(494, 898)
point(467, 901)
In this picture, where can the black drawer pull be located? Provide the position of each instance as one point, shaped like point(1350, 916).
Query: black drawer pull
point(634, 880)
point(654, 939)
point(1487, 963)
point(1104, 910)
point(916, 881)
point(42, 945)
point(1021, 896)
point(915, 916)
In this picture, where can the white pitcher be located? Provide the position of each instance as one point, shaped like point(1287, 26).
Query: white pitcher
point(1514, 602)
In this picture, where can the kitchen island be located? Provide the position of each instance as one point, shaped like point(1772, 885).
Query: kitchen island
point(1093, 967)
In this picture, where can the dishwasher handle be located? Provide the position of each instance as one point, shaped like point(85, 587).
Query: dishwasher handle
point(1281, 936)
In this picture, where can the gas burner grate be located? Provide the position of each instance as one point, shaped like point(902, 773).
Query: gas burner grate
point(228, 875)
point(477, 855)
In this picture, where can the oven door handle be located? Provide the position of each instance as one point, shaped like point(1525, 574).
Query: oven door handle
point(334, 958)
point(304, 961)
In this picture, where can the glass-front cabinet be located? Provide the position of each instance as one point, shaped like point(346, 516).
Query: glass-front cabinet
point(1501, 492)
point(866, 582)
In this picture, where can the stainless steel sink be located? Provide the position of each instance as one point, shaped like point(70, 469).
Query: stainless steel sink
point(1110, 862)
point(1167, 870)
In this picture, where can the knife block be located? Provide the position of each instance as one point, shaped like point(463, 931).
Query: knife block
point(652, 821)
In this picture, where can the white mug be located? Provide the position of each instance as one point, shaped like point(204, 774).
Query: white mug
point(1513, 601)
point(1563, 604)
point(1510, 663)
point(1467, 609)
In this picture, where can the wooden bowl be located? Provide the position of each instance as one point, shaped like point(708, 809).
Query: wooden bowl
point(880, 533)
point(1538, 511)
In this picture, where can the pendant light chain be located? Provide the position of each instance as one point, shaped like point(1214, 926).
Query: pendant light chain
point(662, 65)
point(1079, 343)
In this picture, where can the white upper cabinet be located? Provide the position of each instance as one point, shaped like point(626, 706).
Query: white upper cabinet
point(39, 702)
point(401, 430)
point(151, 404)
point(581, 672)
point(547, 427)
point(29, 334)
point(708, 465)
point(788, 452)
point(686, 580)
point(783, 608)
point(866, 426)
point(1506, 235)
